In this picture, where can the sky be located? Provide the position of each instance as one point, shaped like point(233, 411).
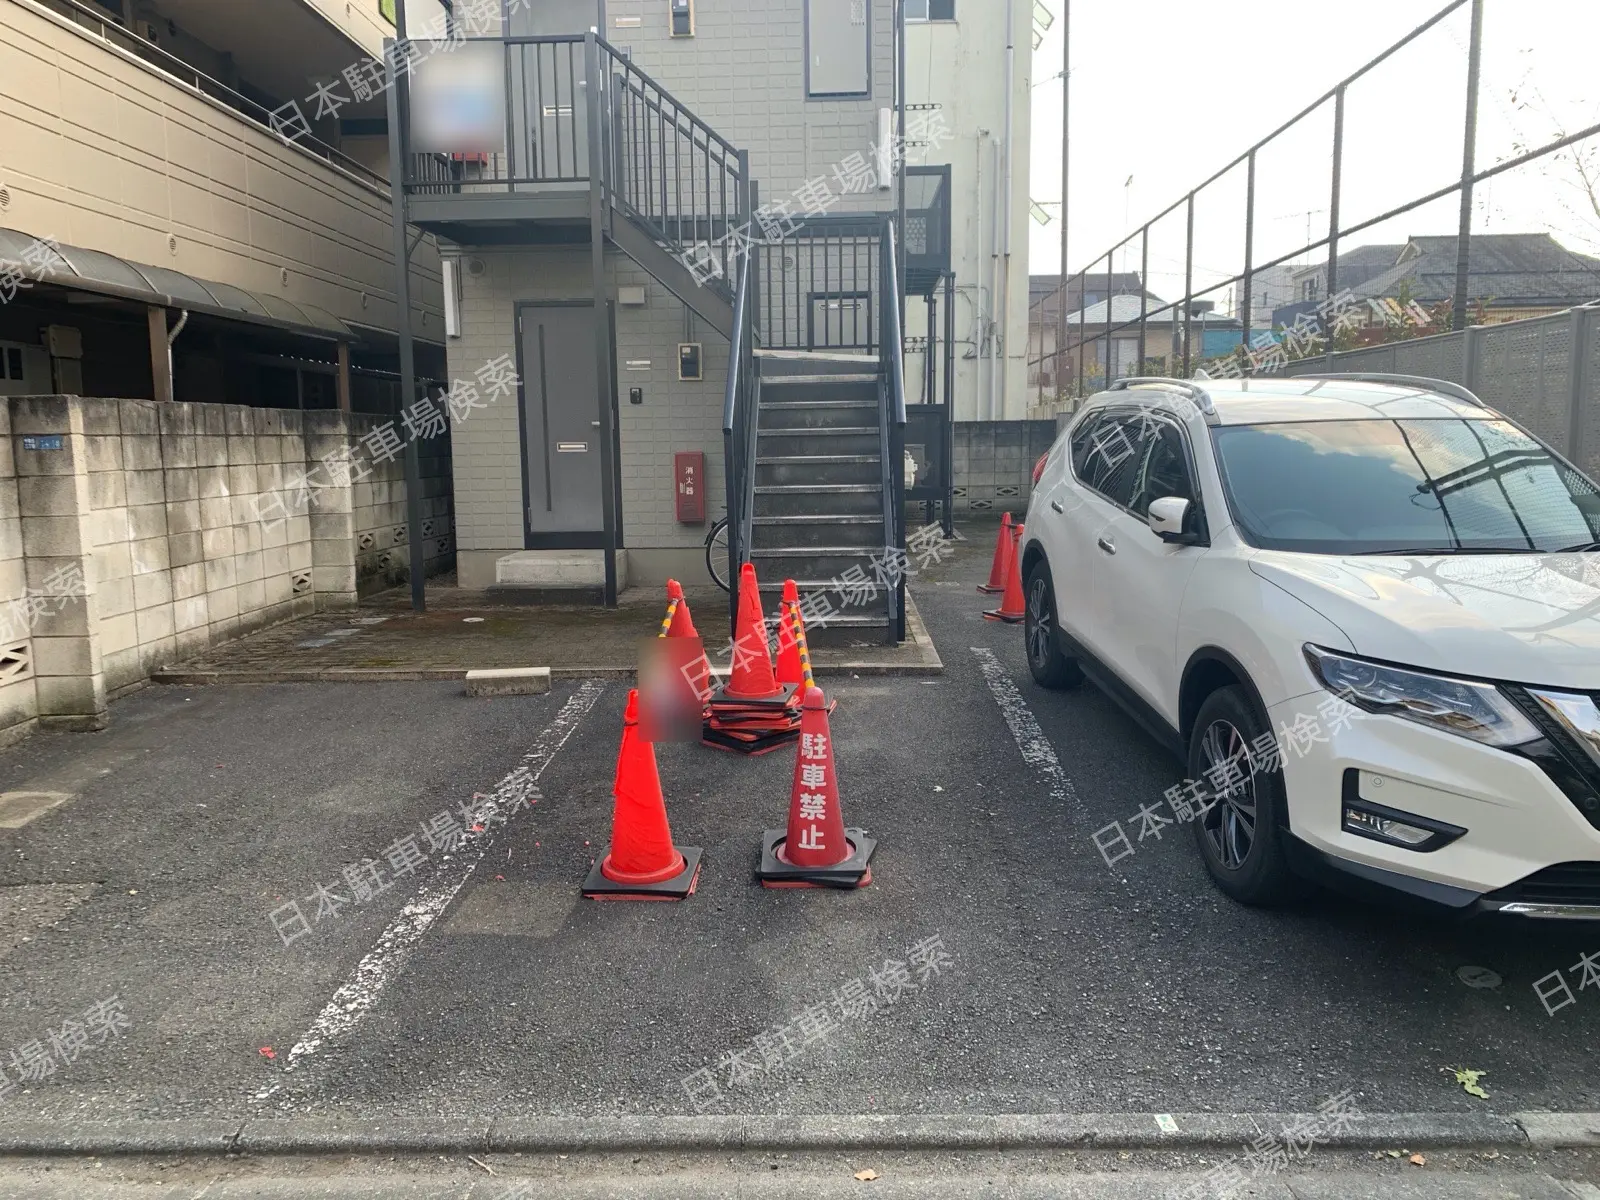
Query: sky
point(1168, 92)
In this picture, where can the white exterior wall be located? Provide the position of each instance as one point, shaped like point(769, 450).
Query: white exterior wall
point(961, 65)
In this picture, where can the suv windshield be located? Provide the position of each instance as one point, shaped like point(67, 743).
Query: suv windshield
point(1388, 486)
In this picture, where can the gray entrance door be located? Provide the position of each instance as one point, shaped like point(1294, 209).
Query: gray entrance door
point(561, 420)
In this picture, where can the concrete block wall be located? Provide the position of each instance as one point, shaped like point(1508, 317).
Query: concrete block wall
point(157, 509)
point(378, 523)
point(675, 416)
point(993, 463)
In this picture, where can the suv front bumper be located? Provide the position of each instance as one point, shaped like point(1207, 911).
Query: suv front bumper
point(1526, 847)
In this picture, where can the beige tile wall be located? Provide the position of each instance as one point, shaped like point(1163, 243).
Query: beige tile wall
point(103, 151)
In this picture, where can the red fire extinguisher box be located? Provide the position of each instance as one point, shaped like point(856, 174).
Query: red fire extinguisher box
point(689, 469)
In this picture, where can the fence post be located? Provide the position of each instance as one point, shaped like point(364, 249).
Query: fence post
point(1470, 336)
point(1144, 289)
point(1578, 384)
point(1469, 140)
point(1333, 212)
point(1188, 287)
point(1249, 250)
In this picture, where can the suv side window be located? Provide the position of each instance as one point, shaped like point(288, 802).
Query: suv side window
point(1166, 470)
point(1108, 452)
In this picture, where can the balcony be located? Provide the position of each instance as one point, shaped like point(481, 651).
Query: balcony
point(114, 145)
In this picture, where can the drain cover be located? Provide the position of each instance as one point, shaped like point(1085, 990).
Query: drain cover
point(1478, 977)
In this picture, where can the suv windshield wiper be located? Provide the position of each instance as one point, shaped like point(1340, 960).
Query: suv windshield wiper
point(1580, 548)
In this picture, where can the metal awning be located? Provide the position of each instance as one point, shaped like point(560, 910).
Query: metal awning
point(95, 271)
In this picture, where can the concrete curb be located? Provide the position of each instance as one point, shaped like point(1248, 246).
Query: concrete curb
point(1217, 1132)
point(459, 674)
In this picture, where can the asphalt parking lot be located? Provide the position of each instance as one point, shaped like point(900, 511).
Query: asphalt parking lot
point(482, 980)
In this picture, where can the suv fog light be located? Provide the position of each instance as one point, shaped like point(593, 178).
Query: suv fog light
point(1392, 826)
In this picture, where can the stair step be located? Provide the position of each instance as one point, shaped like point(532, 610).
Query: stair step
point(815, 380)
point(814, 459)
point(860, 553)
point(803, 489)
point(832, 356)
point(835, 431)
point(820, 519)
point(822, 402)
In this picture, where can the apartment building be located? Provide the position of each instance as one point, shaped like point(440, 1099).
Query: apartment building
point(165, 236)
point(198, 325)
point(678, 219)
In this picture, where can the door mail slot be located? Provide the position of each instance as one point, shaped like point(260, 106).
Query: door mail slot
point(572, 447)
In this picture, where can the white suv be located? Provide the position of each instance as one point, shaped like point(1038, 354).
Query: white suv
point(1365, 609)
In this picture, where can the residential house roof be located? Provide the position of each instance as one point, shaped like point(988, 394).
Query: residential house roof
point(1526, 268)
point(1125, 310)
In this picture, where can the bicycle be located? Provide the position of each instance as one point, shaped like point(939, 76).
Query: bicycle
point(717, 555)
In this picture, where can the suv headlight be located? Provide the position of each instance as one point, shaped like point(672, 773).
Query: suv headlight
point(1460, 706)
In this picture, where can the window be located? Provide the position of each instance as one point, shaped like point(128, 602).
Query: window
point(1108, 452)
point(930, 10)
point(1166, 470)
point(1391, 486)
point(839, 47)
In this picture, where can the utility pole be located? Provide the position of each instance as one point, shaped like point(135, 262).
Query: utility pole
point(1066, 159)
point(1464, 234)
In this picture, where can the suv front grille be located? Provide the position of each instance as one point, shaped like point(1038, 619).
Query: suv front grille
point(1564, 883)
point(1560, 756)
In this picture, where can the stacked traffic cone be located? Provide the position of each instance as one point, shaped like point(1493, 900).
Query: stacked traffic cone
point(1010, 610)
point(1000, 566)
point(641, 862)
point(815, 850)
point(679, 623)
point(790, 669)
point(752, 712)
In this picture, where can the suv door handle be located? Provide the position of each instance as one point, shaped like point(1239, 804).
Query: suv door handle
point(1106, 545)
point(1056, 504)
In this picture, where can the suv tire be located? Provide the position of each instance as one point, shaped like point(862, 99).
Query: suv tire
point(1049, 666)
point(1239, 834)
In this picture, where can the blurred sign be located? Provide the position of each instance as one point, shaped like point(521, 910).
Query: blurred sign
point(458, 101)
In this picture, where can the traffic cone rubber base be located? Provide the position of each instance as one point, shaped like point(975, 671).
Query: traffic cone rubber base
point(679, 887)
point(754, 748)
point(853, 872)
point(999, 614)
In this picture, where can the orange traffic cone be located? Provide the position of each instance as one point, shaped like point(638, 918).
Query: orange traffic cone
point(680, 622)
point(815, 850)
point(789, 669)
point(998, 568)
point(752, 713)
point(641, 862)
point(1010, 610)
point(751, 677)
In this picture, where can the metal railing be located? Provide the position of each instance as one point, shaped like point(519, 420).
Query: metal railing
point(1086, 354)
point(823, 284)
point(892, 426)
point(673, 171)
point(660, 165)
point(739, 420)
point(182, 72)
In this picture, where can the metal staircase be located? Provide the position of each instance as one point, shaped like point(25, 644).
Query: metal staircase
point(814, 415)
point(814, 434)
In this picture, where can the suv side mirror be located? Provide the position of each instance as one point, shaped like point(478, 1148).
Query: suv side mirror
point(1168, 516)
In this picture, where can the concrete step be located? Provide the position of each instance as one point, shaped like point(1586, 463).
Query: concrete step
point(846, 439)
point(809, 530)
point(861, 499)
point(808, 469)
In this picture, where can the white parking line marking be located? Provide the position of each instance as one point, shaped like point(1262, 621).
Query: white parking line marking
point(1036, 749)
point(395, 944)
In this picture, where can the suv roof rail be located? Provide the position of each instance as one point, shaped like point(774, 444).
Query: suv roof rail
point(1193, 390)
point(1454, 390)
